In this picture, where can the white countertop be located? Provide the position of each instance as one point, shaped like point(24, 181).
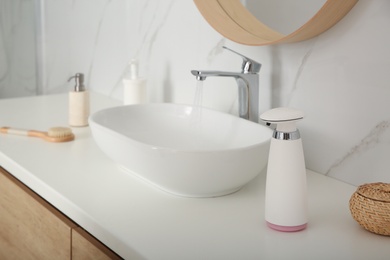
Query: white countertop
point(139, 222)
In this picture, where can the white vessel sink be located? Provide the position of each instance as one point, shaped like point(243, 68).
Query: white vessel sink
point(183, 149)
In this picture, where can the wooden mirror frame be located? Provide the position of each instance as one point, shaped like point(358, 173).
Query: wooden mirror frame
point(231, 19)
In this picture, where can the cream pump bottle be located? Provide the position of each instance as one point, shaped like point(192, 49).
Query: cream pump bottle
point(134, 87)
point(78, 102)
point(286, 191)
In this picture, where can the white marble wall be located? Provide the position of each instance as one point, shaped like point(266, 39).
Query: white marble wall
point(18, 74)
point(341, 79)
point(342, 82)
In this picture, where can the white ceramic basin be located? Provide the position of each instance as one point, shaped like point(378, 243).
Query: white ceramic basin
point(182, 149)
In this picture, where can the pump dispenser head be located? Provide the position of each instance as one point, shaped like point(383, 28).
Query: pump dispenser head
point(79, 79)
point(285, 119)
point(133, 69)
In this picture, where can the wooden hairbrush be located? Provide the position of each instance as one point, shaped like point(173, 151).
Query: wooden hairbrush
point(54, 134)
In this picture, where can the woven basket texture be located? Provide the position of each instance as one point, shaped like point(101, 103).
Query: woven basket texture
point(370, 207)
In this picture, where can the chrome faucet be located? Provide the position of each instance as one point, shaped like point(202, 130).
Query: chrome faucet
point(248, 85)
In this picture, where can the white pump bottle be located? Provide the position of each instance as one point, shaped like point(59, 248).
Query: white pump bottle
point(286, 190)
point(78, 102)
point(134, 87)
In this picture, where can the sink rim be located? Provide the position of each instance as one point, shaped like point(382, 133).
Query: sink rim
point(149, 146)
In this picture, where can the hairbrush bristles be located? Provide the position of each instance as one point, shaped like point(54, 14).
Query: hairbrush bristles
point(59, 131)
point(59, 134)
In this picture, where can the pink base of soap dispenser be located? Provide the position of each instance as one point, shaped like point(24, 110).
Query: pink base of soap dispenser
point(287, 228)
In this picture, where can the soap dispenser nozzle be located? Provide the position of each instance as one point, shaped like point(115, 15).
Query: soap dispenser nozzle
point(285, 119)
point(79, 79)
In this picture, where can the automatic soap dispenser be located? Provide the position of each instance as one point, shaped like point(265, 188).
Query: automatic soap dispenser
point(286, 191)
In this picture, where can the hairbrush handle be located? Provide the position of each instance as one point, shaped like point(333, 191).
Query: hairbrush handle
point(55, 134)
point(14, 131)
point(24, 132)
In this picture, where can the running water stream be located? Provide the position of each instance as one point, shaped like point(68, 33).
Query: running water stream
point(198, 93)
point(196, 115)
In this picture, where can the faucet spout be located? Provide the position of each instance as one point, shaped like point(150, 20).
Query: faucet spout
point(203, 74)
point(248, 85)
point(248, 90)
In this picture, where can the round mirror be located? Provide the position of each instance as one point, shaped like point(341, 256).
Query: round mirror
point(235, 22)
point(284, 16)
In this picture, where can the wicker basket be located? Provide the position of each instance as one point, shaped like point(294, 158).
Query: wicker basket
point(370, 207)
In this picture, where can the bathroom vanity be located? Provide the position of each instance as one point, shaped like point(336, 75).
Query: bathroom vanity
point(71, 196)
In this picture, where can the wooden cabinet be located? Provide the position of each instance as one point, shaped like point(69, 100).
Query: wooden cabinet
point(84, 246)
point(30, 228)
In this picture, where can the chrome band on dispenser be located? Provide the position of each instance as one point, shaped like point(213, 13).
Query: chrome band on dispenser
point(286, 136)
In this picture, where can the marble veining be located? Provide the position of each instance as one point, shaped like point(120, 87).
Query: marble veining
point(146, 35)
point(17, 48)
point(217, 50)
point(154, 28)
point(98, 34)
point(302, 67)
point(379, 135)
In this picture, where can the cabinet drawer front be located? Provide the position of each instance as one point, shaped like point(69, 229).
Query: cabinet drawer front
point(30, 228)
